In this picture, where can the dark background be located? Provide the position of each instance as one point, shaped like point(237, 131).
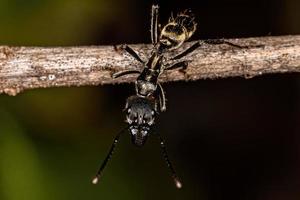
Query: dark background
point(232, 139)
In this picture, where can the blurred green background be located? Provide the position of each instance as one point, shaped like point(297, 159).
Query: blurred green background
point(228, 139)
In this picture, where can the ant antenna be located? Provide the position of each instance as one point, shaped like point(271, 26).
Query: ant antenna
point(170, 166)
point(154, 24)
point(108, 157)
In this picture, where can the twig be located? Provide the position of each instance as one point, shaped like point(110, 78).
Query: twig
point(24, 68)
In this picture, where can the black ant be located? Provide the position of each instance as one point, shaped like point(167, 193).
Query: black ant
point(142, 108)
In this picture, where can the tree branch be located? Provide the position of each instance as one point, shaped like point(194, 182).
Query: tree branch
point(24, 68)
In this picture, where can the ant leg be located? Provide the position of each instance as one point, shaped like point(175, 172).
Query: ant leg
point(187, 51)
point(154, 24)
point(162, 98)
point(181, 64)
point(123, 73)
point(198, 44)
point(221, 41)
point(170, 166)
point(130, 51)
point(108, 157)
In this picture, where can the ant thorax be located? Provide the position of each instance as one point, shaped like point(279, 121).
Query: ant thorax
point(146, 83)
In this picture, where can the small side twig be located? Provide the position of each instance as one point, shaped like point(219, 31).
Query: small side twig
point(23, 68)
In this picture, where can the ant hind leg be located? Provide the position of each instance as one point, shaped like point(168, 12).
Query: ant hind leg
point(187, 51)
point(222, 41)
point(128, 49)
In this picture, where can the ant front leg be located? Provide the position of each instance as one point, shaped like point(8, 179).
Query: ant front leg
point(174, 176)
point(125, 47)
point(108, 157)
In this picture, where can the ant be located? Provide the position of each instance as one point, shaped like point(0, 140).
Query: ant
point(142, 108)
point(171, 37)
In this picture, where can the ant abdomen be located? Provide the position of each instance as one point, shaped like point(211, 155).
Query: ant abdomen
point(178, 30)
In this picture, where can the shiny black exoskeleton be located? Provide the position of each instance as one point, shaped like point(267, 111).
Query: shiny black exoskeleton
point(140, 116)
point(142, 108)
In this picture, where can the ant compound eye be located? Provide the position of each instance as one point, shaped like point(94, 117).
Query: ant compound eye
point(152, 112)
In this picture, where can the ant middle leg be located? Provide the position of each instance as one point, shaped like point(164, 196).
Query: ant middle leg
point(130, 51)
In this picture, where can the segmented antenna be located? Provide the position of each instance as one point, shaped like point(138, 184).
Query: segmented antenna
point(108, 157)
point(177, 182)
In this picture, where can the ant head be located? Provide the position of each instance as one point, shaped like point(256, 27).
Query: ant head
point(139, 134)
point(140, 115)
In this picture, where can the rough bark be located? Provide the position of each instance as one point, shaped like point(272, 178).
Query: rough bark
point(24, 68)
